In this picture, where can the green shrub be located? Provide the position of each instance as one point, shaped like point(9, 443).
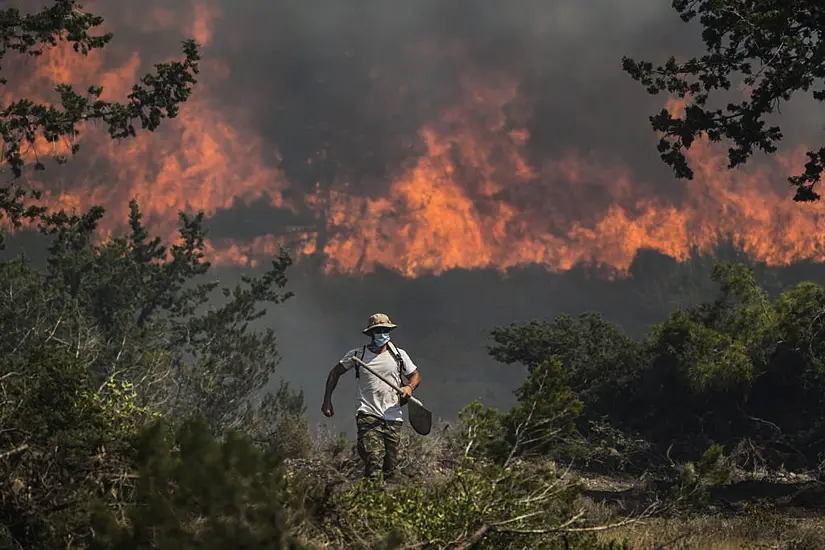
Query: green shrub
point(515, 508)
point(195, 491)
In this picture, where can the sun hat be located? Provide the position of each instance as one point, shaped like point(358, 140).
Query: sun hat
point(379, 320)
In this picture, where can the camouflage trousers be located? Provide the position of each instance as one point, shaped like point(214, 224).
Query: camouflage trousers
point(379, 441)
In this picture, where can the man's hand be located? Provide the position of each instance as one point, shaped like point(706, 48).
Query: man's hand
point(406, 392)
point(327, 409)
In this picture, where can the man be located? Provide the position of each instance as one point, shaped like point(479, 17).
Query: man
point(379, 415)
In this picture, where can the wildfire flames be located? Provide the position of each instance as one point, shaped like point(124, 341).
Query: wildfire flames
point(469, 199)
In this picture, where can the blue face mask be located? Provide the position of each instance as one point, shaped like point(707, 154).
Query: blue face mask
point(380, 339)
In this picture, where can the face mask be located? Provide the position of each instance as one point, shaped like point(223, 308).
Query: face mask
point(380, 339)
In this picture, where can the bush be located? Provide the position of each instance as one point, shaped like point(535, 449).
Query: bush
point(65, 447)
point(194, 491)
point(479, 503)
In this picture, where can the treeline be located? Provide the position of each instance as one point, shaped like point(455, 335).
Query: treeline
point(744, 372)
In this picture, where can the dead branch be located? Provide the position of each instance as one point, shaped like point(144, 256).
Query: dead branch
point(560, 528)
point(523, 425)
point(9, 375)
point(11, 452)
point(475, 538)
point(566, 527)
point(487, 528)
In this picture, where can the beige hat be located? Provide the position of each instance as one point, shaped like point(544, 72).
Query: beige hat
point(378, 320)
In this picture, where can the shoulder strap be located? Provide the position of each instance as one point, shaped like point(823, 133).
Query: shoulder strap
point(357, 366)
point(398, 359)
point(393, 351)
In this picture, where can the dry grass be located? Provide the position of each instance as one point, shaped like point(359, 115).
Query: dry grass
point(758, 510)
point(428, 458)
point(756, 529)
point(719, 533)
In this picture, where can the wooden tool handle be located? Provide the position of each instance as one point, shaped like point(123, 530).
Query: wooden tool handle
point(387, 382)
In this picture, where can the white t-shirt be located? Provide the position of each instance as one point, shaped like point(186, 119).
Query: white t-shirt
point(375, 397)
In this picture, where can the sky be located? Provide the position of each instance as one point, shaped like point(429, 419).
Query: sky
point(457, 165)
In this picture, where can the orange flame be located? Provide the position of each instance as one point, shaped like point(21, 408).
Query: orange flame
point(201, 162)
point(472, 199)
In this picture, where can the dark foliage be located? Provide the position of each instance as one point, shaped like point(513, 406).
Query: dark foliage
point(773, 48)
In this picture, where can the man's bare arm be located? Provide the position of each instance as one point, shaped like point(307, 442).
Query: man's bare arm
point(415, 380)
point(332, 381)
point(409, 388)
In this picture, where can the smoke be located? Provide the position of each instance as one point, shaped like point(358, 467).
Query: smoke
point(357, 80)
